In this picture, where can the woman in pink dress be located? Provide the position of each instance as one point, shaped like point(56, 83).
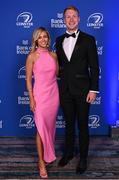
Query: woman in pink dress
point(44, 95)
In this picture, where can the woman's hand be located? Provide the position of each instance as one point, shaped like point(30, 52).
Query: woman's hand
point(32, 104)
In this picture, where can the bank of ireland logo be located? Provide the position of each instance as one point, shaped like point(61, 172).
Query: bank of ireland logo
point(95, 20)
point(58, 22)
point(97, 101)
point(94, 121)
point(24, 100)
point(60, 123)
point(27, 122)
point(99, 48)
point(23, 48)
point(24, 19)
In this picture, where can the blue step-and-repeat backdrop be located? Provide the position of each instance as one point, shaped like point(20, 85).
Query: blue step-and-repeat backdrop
point(18, 20)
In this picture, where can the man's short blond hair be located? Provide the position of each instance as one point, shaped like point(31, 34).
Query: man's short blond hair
point(71, 8)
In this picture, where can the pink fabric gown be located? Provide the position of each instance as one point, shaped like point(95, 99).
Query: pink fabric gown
point(46, 96)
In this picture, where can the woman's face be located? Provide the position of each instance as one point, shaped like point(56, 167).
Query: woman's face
point(43, 40)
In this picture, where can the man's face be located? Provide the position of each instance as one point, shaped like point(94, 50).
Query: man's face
point(71, 20)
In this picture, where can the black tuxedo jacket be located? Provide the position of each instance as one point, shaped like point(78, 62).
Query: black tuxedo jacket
point(80, 74)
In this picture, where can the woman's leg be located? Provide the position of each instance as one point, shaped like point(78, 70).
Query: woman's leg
point(41, 163)
point(39, 148)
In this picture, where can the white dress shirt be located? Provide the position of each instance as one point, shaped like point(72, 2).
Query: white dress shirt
point(69, 43)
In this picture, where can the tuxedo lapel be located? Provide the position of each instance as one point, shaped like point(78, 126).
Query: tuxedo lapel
point(77, 45)
point(61, 50)
point(63, 53)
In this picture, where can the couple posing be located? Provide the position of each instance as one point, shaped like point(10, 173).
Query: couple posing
point(76, 61)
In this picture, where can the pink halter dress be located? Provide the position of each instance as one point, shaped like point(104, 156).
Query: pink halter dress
point(46, 96)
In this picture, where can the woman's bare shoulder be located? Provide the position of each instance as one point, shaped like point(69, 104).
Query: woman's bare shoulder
point(31, 56)
point(53, 54)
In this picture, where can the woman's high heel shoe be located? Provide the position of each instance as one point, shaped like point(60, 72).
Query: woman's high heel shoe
point(42, 172)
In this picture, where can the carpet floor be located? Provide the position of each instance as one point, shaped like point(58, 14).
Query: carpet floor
point(18, 159)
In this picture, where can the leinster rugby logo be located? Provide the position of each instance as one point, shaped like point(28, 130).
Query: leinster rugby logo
point(94, 121)
point(25, 20)
point(22, 73)
point(27, 122)
point(95, 20)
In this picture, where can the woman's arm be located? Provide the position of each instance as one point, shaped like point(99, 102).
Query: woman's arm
point(55, 57)
point(29, 70)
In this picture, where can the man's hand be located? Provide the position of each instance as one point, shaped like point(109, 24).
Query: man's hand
point(91, 97)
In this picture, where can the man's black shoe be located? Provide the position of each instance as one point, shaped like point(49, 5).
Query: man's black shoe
point(82, 166)
point(64, 160)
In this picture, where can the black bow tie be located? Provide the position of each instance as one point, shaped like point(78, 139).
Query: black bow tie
point(69, 35)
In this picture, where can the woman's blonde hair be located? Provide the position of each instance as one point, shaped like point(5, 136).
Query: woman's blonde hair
point(37, 32)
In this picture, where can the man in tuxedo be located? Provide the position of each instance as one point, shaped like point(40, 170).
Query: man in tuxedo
point(79, 71)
